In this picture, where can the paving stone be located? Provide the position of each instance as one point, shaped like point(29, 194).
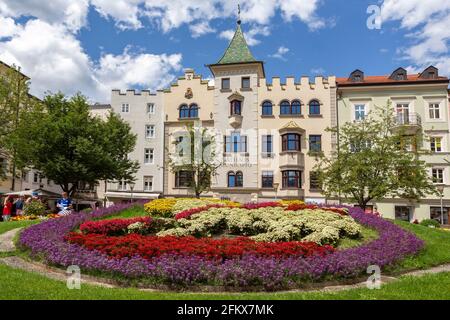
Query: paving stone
point(6, 240)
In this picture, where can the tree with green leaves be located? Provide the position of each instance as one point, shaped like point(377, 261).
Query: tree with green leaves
point(15, 100)
point(63, 141)
point(195, 153)
point(376, 158)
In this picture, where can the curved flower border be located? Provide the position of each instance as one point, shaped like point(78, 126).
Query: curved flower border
point(394, 243)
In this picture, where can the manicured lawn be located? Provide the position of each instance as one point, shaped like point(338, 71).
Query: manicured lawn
point(17, 284)
point(129, 213)
point(10, 225)
point(436, 251)
point(367, 235)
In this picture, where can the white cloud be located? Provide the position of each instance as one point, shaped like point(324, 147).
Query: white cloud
point(318, 71)
point(429, 34)
point(51, 56)
point(198, 14)
point(131, 70)
point(72, 14)
point(9, 27)
point(281, 52)
point(55, 61)
point(250, 35)
point(124, 12)
point(46, 46)
point(304, 10)
point(200, 29)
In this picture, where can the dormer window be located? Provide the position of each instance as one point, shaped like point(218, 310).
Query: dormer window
point(356, 76)
point(429, 73)
point(235, 107)
point(400, 74)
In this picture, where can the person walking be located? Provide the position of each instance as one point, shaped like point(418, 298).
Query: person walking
point(7, 208)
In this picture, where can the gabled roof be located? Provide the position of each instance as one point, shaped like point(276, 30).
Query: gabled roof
point(386, 79)
point(237, 51)
point(291, 126)
point(429, 75)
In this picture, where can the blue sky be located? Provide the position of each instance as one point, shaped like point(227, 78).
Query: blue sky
point(94, 46)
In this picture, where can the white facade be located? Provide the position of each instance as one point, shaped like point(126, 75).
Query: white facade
point(144, 112)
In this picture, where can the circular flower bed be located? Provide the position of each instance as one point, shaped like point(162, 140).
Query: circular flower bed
point(273, 255)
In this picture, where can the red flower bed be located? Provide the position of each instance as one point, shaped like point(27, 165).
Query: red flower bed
point(296, 206)
point(150, 246)
point(251, 206)
point(113, 227)
point(189, 212)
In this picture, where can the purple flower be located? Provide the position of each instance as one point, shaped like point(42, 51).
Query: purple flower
point(46, 240)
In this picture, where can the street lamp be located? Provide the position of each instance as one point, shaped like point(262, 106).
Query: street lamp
point(275, 186)
point(132, 185)
point(441, 194)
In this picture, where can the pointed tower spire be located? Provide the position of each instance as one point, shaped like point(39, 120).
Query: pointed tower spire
point(238, 50)
point(239, 14)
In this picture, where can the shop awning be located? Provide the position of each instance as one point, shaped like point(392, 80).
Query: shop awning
point(128, 195)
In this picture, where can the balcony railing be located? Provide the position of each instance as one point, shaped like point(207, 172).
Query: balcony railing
point(292, 159)
point(408, 119)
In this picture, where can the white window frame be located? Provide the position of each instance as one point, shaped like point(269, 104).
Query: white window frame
point(442, 108)
point(148, 129)
point(360, 101)
point(151, 108)
point(443, 143)
point(410, 101)
point(125, 108)
point(358, 105)
point(122, 185)
point(151, 156)
point(146, 179)
point(444, 180)
point(438, 109)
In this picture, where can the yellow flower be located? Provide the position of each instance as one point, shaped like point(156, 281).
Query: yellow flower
point(289, 202)
point(160, 206)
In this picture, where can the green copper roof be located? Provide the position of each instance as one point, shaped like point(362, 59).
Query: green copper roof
point(237, 51)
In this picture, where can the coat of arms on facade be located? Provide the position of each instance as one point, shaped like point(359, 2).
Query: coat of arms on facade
point(188, 94)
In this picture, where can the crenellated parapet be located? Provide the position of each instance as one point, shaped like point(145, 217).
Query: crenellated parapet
point(132, 93)
point(304, 83)
point(189, 79)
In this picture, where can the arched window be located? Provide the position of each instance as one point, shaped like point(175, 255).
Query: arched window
point(314, 107)
point(235, 179)
point(291, 142)
point(239, 179)
point(285, 107)
point(231, 179)
point(267, 108)
point(235, 107)
point(188, 111)
point(184, 111)
point(193, 111)
point(296, 107)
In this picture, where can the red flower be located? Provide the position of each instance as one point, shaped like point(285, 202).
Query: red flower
point(296, 207)
point(189, 212)
point(226, 248)
point(111, 227)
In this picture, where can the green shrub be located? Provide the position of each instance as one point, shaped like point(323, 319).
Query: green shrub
point(430, 223)
point(34, 208)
